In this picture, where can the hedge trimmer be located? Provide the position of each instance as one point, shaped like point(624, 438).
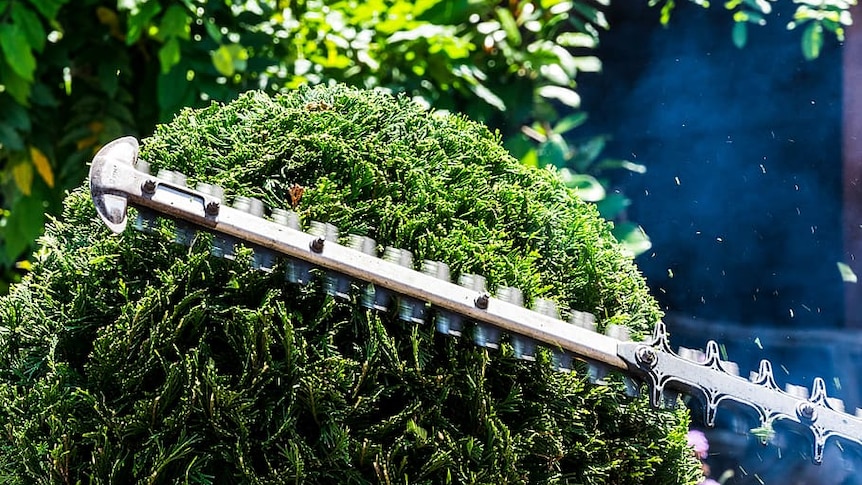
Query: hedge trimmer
point(352, 270)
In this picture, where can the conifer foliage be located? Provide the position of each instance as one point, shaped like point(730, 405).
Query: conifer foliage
point(129, 359)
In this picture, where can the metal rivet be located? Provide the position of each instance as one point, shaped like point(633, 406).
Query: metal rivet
point(806, 410)
point(149, 186)
point(317, 245)
point(212, 208)
point(646, 356)
point(482, 301)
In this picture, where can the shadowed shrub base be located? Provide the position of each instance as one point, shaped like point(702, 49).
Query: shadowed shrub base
point(127, 359)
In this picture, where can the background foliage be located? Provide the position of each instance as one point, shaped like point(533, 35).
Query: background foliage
point(76, 74)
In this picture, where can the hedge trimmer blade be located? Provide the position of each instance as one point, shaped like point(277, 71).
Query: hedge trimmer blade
point(354, 272)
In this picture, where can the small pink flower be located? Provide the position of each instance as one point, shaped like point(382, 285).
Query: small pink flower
point(697, 440)
point(709, 481)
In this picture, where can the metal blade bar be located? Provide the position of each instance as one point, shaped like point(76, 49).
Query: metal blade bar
point(111, 176)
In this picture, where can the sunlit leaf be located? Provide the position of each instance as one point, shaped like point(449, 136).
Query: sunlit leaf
point(16, 50)
point(509, 26)
point(564, 95)
point(223, 61)
point(586, 186)
point(812, 40)
point(847, 274)
point(43, 166)
point(169, 54)
point(632, 237)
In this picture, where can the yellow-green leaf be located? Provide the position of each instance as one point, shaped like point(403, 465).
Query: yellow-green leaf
point(169, 54)
point(223, 61)
point(812, 40)
point(22, 173)
point(43, 166)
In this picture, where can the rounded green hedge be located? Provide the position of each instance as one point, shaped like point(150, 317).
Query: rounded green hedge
point(128, 359)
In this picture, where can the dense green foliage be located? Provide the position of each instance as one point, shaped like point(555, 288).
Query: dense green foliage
point(75, 75)
point(127, 359)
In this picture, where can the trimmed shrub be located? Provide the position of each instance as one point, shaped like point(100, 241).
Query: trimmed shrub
point(129, 359)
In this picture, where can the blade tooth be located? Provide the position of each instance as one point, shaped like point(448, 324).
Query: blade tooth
point(583, 320)
point(184, 233)
point(858, 413)
point(224, 246)
point(730, 367)
point(323, 229)
point(401, 257)
point(836, 404)
point(167, 175)
point(546, 307)
point(619, 332)
point(334, 284)
point(670, 399)
point(180, 178)
point(216, 191)
point(142, 166)
point(286, 218)
point(511, 295)
point(472, 281)
point(363, 244)
point(633, 387)
point(297, 271)
point(800, 392)
point(445, 322)
point(147, 220)
point(764, 375)
point(694, 355)
point(409, 309)
point(242, 203)
point(597, 372)
point(487, 336)
point(562, 360)
point(524, 347)
point(255, 207)
point(263, 260)
point(449, 323)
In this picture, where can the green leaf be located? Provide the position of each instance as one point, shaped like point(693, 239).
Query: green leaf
point(509, 26)
point(586, 186)
point(4, 4)
point(228, 59)
point(812, 40)
point(24, 224)
point(561, 94)
point(222, 61)
point(570, 122)
point(10, 139)
point(175, 23)
point(174, 91)
point(169, 54)
point(29, 22)
point(48, 8)
point(16, 86)
point(740, 34)
point(139, 20)
point(632, 237)
point(612, 205)
point(14, 114)
point(17, 51)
